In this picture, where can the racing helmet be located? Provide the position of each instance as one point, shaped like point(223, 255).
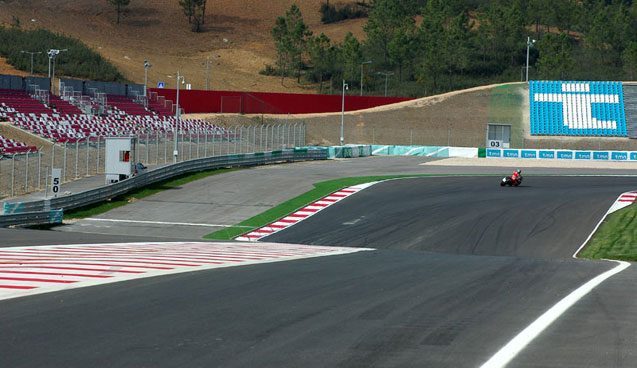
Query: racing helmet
point(518, 171)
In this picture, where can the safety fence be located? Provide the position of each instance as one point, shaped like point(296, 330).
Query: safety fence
point(40, 209)
point(29, 172)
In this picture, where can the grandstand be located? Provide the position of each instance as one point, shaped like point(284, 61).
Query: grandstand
point(77, 117)
point(574, 108)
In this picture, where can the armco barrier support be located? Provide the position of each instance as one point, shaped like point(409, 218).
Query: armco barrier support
point(34, 209)
point(561, 154)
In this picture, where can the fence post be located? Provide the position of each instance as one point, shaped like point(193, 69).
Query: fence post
point(147, 148)
point(261, 140)
point(165, 146)
point(228, 145)
point(53, 155)
point(88, 150)
point(183, 138)
point(205, 142)
point(46, 183)
point(77, 154)
point(64, 161)
point(214, 134)
point(241, 139)
point(12, 173)
point(235, 139)
point(40, 167)
point(254, 139)
point(26, 173)
point(189, 145)
point(198, 141)
point(97, 159)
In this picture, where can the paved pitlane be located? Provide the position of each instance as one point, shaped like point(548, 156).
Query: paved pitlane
point(547, 217)
point(384, 308)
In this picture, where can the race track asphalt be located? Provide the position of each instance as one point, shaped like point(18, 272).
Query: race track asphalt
point(446, 288)
point(546, 217)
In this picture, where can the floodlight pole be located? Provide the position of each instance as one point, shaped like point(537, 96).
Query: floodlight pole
point(363, 63)
point(529, 44)
point(345, 86)
point(180, 79)
point(386, 75)
point(32, 53)
point(146, 67)
point(53, 53)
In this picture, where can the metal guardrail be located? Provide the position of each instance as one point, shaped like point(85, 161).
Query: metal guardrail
point(32, 218)
point(34, 211)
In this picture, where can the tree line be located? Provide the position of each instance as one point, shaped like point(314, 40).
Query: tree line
point(434, 46)
point(78, 61)
point(195, 10)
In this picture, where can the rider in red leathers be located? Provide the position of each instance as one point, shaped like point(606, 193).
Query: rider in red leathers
point(516, 177)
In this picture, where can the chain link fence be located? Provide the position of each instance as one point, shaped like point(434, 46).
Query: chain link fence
point(30, 172)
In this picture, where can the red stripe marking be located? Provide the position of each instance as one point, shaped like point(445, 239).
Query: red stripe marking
point(310, 209)
point(37, 280)
point(625, 200)
point(329, 200)
point(297, 215)
point(346, 191)
point(98, 264)
point(254, 236)
point(319, 204)
point(263, 230)
point(290, 221)
point(127, 260)
point(17, 287)
point(338, 195)
point(80, 269)
point(278, 226)
point(55, 274)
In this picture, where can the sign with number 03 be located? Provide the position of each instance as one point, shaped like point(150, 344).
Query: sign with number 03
point(494, 144)
point(56, 181)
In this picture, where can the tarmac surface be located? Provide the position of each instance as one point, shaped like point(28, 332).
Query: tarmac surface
point(461, 267)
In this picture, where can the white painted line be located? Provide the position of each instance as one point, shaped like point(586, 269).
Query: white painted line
point(159, 222)
point(408, 153)
point(510, 350)
point(436, 151)
point(617, 205)
point(379, 149)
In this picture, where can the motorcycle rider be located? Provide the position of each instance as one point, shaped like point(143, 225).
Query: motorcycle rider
point(517, 176)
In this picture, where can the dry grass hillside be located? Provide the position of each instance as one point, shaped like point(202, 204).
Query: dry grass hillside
point(236, 30)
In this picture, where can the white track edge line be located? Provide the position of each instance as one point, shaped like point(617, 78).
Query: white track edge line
point(522, 339)
point(596, 227)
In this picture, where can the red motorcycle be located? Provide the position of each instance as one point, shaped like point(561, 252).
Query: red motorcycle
point(507, 180)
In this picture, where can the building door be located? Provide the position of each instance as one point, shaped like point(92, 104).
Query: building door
point(498, 134)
